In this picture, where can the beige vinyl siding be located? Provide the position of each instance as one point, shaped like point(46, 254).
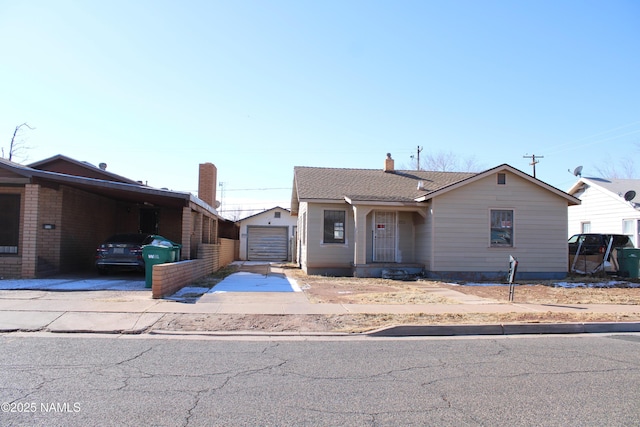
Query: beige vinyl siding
point(423, 243)
point(461, 232)
point(302, 235)
point(321, 254)
point(604, 210)
point(406, 237)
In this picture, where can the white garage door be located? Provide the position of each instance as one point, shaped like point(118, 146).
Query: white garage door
point(267, 243)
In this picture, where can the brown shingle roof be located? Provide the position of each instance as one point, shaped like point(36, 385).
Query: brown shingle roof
point(369, 184)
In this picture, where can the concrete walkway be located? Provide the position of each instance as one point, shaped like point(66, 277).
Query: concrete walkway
point(135, 311)
point(123, 305)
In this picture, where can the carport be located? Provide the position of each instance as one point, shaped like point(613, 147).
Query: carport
point(68, 207)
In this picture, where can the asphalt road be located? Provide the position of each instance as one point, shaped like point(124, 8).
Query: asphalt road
point(131, 380)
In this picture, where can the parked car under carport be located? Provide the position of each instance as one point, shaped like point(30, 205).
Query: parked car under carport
point(122, 252)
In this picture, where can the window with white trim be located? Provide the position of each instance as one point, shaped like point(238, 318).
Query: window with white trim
point(501, 228)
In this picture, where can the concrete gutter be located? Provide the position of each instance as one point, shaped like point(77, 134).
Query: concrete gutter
point(506, 329)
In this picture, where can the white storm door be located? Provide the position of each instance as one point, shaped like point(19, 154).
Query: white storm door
point(384, 237)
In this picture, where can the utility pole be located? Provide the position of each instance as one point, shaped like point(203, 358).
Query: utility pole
point(533, 162)
point(419, 150)
point(221, 185)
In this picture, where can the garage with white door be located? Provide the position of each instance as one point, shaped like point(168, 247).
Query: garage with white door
point(265, 243)
point(267, 235)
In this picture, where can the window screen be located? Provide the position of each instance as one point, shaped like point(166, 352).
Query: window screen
point(334, 226)
point(9, 223)
point(501, 228)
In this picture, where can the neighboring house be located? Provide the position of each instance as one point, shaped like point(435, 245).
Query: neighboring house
point(445, 224)
point(55, 212)
point(267, 236)
point(608, 206)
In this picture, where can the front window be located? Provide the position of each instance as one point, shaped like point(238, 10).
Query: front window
point(9, 223)
point(501, 228)
point(334, 226)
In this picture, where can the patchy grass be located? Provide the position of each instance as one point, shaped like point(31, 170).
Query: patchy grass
point(353, 290)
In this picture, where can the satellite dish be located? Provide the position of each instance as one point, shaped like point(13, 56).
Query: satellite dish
point(578, 171)
point(629, 195)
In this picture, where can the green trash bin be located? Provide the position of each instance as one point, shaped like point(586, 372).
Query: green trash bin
point(629, 262)
point(160, 251)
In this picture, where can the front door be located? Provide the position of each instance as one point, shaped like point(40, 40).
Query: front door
point(384, 237)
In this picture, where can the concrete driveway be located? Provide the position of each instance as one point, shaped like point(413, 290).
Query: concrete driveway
point(79, 282)
point(269, 279)
point(244, 281)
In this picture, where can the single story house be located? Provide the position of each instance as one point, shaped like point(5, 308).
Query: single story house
point(444, 224)
point(268, 235)
point(609, 206)
point(55, 212)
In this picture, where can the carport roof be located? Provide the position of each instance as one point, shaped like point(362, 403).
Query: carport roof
point(134, 193)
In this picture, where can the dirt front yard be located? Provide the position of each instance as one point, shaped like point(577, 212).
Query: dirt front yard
point(348, 290)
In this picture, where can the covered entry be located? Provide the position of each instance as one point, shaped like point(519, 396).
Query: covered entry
point(267, 243)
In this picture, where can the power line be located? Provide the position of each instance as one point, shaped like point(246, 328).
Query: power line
point(258, 189)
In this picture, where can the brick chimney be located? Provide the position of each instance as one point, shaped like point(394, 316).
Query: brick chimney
point(388, 163)
point(207, 178)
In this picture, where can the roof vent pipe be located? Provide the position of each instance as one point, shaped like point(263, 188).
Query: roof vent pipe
point(103, 166)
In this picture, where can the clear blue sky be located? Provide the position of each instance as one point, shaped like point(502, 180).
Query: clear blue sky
point(153, 88)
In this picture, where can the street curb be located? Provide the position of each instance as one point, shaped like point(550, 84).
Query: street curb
point(251, 333)
point(505, 329)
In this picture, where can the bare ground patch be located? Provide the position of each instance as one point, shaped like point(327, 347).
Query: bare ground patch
point(349, 290)
point(358, 323)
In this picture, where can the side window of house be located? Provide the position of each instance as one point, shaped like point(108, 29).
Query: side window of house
point(334, 226)
point(9, 223)
point(276, 215)
point(501, 228)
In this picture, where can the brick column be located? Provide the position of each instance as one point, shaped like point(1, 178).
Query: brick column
point(30, 231)
point(187, 229)
point(197, 230)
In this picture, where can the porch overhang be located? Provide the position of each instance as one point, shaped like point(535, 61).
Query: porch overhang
point(404, 206)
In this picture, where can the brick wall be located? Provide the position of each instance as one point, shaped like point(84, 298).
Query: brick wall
point(30, 230)
point(168, 279)
point(86, 220)
point(227, 251)
point(48, 243)
point(10, 267)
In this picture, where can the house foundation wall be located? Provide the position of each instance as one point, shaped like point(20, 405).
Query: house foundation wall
point(10, 267)
point(493, 276)
point(388, 269)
